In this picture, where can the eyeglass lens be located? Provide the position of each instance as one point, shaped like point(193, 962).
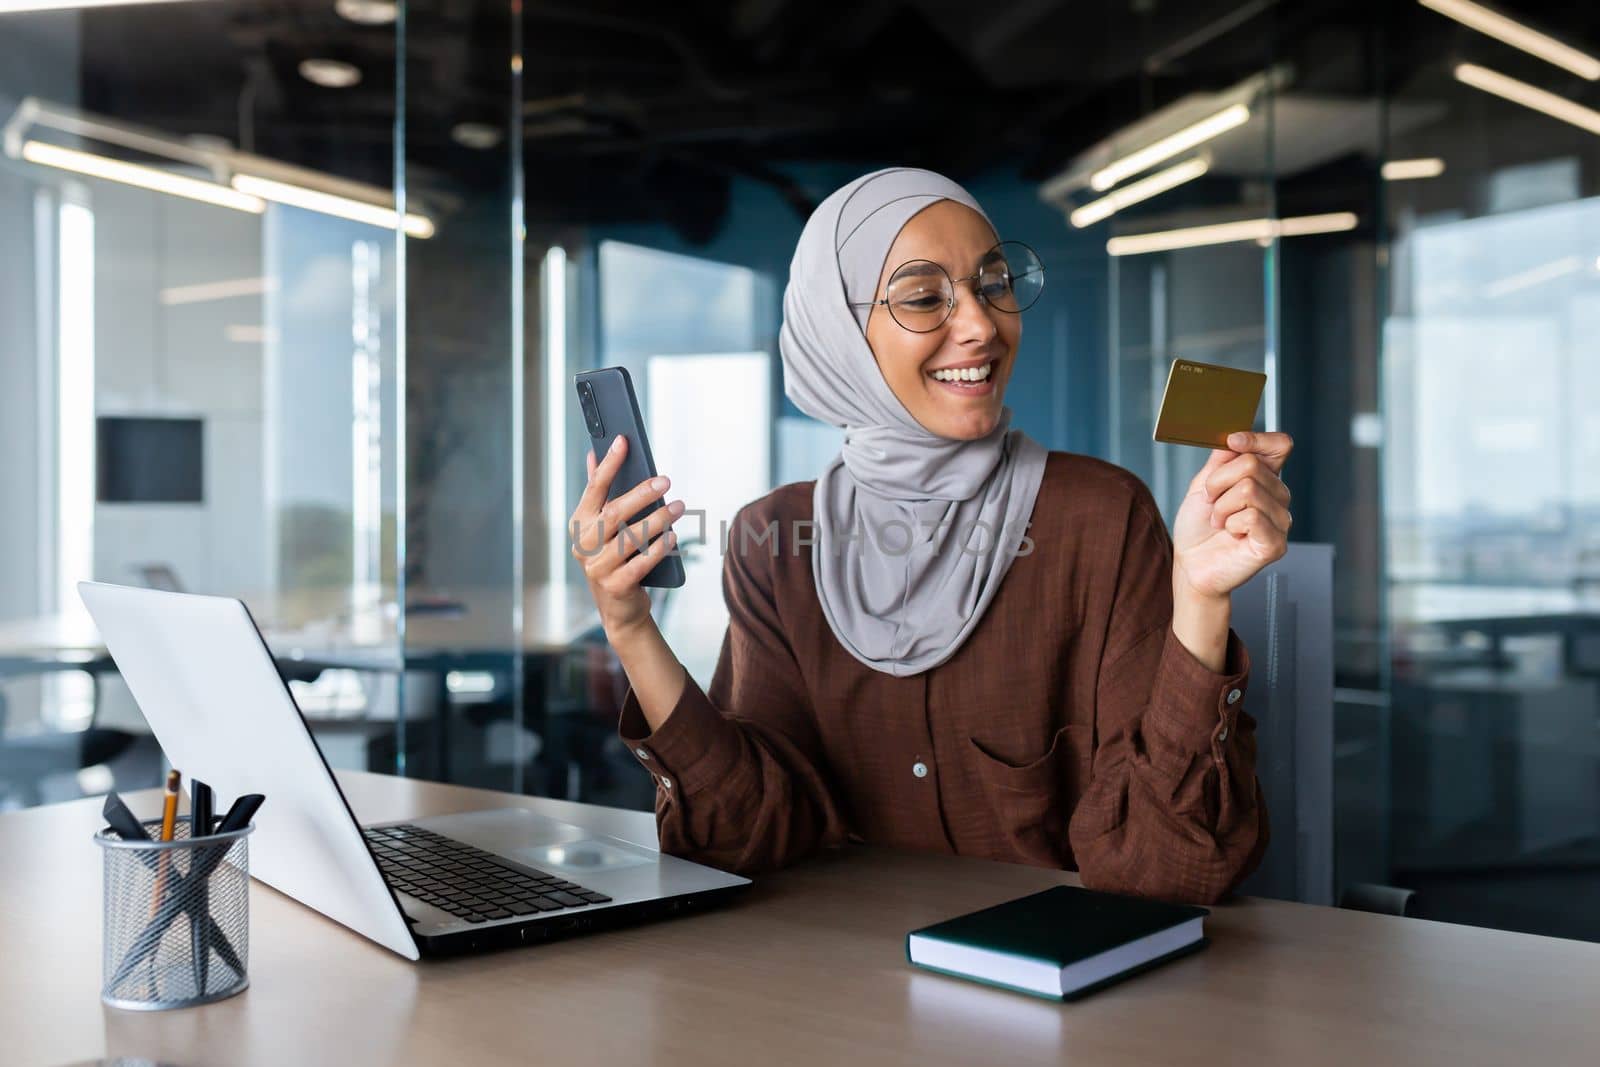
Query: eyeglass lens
point(921, 295)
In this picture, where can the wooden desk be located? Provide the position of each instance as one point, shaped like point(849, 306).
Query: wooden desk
point(807, 968)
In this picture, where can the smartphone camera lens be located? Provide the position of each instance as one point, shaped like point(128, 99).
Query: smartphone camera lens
point(591, 413)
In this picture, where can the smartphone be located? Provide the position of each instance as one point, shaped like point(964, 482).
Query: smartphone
point(611, 407)
point(1204, 403)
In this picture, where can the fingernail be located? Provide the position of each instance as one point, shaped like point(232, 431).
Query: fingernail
point(616, 442)
point(676, 508)
point(658, 484)
point(1238, 440)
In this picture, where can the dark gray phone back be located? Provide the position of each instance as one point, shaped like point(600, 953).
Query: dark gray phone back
point(610, 407)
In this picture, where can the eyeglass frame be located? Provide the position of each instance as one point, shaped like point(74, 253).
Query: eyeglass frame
point(950, 304)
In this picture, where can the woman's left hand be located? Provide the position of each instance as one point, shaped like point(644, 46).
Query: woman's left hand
point(1235, 518)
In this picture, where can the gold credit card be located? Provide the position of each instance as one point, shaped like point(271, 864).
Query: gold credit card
point(1204, 403)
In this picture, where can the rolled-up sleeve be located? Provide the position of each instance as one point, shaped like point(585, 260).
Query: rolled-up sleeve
point(1172, 808)
point(741, 782)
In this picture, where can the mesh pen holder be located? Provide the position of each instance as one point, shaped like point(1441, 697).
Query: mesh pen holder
point(177, 918)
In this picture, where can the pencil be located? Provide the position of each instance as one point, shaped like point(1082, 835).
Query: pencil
point(169, 823)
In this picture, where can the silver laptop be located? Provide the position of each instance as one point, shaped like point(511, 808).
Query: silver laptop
point(212, 694)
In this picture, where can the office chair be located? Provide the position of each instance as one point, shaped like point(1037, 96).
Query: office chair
point(1382, 899)
point(1284, 616)
point(26, 762)
point(158, 576)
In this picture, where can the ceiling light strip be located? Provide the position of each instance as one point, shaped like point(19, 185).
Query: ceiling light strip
point(201, 292)
point(1231, 232)
point(329, 204)
point(1167, 147)
point(1544, 272)
point(1529, 96)
point(1400, 170)
point(1141, 190)
point(1515, 34)
point(160, 181)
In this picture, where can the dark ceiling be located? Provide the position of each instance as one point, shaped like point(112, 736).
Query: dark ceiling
point(636, 111)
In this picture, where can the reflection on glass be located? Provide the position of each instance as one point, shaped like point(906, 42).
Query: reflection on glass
point(1188, 251)
point(1491, 495)
point(206, 399)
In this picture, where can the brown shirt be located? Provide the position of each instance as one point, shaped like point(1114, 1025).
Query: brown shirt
point(1071, 729)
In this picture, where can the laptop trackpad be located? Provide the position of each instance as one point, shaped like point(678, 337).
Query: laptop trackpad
point(547, 844)
point(578, 858)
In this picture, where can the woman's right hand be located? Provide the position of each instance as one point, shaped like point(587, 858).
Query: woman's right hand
point(610, 551)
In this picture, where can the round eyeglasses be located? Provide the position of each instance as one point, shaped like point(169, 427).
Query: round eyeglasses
point(921, 294)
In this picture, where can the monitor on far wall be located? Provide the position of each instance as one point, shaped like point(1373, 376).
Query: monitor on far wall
point(149, 460)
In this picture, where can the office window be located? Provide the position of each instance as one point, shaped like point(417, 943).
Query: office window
point(687, 328)
point(709, 419)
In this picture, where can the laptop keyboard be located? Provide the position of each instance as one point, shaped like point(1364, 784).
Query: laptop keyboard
point(468, 882)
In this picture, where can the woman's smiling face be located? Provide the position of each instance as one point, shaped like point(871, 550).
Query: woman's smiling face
point(974, 339)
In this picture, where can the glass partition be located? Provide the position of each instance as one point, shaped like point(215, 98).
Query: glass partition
point(1188, 194)
point(201, 362)
point(1491, 493)
point(476, 637)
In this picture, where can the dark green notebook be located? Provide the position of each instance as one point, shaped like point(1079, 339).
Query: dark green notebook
point(1061, 943)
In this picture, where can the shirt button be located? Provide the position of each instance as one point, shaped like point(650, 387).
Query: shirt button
point(642, 753)
point(919, 769)
point(666, 783)
point(1234, 695)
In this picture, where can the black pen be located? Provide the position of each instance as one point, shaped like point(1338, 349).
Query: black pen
point(200, 812)
point(240, 814)
point(199, 926)
point(125, 823)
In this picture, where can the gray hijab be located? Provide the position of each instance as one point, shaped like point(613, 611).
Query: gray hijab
point(913, 531)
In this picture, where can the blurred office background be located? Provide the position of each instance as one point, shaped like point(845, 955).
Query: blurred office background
point(292, 291)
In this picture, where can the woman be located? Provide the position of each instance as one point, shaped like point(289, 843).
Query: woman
point(1055, 682)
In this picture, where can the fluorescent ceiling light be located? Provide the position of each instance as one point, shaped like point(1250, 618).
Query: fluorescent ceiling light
point(144, 177)
point(248, 189)
point(1230, 232)
point(330, 73)
point(1557, 107)
point(9, 6)
point(1399, 170)
point(1527, 279)
point(1517, 35)
point(1169, 146)
point(367, 12)
point(1305, 225)
point(1143, 189)
point(249, 335)
point(223, 290)
point(329, 204)
point(478, 135)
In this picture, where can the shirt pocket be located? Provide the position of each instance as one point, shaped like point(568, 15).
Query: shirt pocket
point(1032, 802)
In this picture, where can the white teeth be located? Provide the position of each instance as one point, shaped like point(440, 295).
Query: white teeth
point(965, 374)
